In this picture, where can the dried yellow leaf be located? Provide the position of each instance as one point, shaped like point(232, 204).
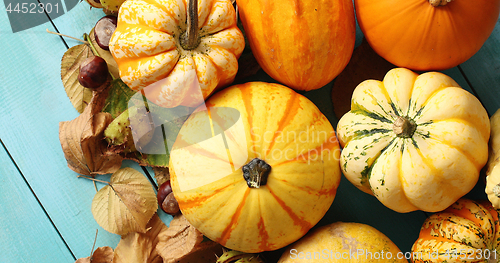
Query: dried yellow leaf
point(78, 95)
point(126, 204)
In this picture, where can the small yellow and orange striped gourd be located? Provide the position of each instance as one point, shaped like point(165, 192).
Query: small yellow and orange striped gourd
point(467, 231)
point(151, 56)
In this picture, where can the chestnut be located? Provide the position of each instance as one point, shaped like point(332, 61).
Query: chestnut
point(93, 72)
point(104, 29)
point(166, 199)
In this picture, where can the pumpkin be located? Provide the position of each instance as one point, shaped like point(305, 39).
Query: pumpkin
point(493, 167)
point(256, 168)
point(303, 44)
point(343, 242)
point(467, 231)
point(426, 34)
point(416, 142)
point(152, 49)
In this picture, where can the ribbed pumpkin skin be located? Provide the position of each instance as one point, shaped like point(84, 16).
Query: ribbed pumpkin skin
point(435, 165)
point(466, 226)
point(303, 44)
point(149, 55)
point(413, 34)
point(207, 179)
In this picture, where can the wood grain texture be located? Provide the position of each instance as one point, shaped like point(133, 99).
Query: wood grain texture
point(25, 230)
point(483, 71)
point(33, 102)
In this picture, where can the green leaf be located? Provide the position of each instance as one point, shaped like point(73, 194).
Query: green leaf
point(118, 98)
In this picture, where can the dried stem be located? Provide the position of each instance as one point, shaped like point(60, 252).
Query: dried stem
point(95, 239)
point(439, 2)
point(189, 40)
point(59, 34)
point(87, 38)
point(93, 179)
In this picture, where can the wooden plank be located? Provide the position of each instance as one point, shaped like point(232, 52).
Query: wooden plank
point(33, 102)
point(26, 233)
point(482, 71)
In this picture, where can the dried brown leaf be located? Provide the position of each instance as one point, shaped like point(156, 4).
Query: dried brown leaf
point(181, 241)
point(125, 205)
point(78, 95)
point(161, 175)
point(100, 255)
point(141, 247)
point(364, 64)
point(83, 144)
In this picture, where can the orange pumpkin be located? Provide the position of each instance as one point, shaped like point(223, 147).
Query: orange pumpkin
point(427, 34)
point(256, 169)
point(303, 44)
point(151, 55)
point(467, 231)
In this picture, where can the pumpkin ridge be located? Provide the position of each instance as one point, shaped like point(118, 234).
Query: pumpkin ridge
point(161, 7)
point(424, 103)
point(289, 113)
point(466, 212)
point(303, 224)
point(383, 90)
point(196, 201)
point(434, 225)
point(263, 234)
point(144, 32)
point(468, 156)
point(318, 118)
point(367, 171)
point(373, 115)
point(226, 233)
point(207, 19)
point(396, 111)
point(307, 189)
point(327, 145)
point(246, 93)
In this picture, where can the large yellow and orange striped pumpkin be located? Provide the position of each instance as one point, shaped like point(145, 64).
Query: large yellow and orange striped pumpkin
point(257, 168)
point(147, 48)
point(467, 231)
point(303, 44)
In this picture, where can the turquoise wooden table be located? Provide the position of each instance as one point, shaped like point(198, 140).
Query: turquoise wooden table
point(45, 213)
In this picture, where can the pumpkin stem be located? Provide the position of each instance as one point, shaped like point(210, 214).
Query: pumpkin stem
point(189, 40)
point(404, 127)
point(496, 190)
point(439, 2)
point(256, 172)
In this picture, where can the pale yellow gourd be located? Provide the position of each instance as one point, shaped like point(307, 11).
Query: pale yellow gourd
point(416, 142)
point(493, 167)
point(343, 242)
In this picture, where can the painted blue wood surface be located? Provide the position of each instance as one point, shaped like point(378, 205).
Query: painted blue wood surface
point(33, 102)
point(26, 233)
